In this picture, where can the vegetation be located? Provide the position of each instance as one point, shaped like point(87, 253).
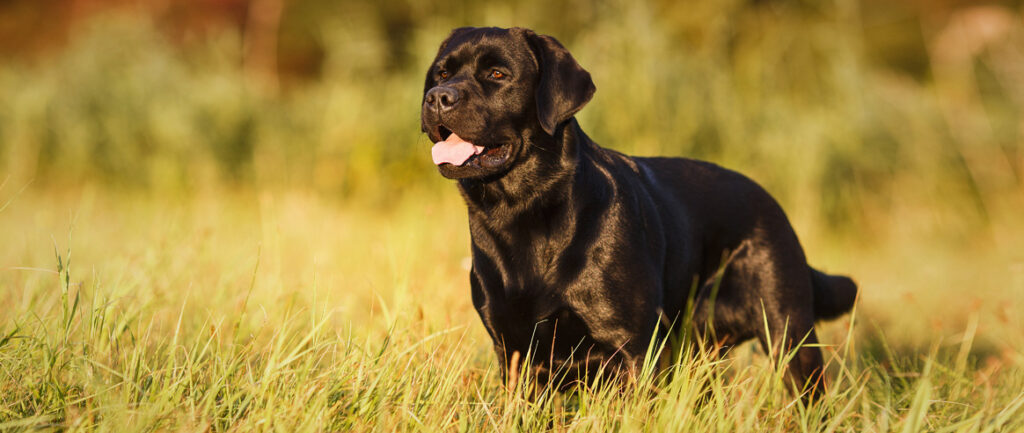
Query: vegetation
point(192, 243)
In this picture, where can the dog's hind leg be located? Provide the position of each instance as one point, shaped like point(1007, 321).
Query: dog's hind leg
point(766, 292)
point(786, 314)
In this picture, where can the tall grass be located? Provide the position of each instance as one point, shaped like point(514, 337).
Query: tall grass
point(271, 311)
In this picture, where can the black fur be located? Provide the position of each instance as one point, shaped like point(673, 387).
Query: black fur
point(582, 254)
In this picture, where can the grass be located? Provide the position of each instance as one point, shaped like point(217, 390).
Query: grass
point(277, 310)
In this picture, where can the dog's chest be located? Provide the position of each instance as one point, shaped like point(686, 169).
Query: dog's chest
point(523, 320)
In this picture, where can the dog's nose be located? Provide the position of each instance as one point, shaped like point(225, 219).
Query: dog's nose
point(442, 98)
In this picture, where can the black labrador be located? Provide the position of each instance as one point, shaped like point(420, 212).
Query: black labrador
point(582, 255)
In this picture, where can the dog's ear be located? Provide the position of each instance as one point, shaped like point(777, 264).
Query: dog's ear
point(564, 86)
point(455, 33)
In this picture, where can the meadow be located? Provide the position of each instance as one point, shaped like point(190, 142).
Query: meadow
point(186, 247)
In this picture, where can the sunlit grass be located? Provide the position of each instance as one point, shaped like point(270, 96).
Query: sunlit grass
point(281, 311)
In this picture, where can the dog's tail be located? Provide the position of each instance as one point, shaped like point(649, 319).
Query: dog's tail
point(833, 294)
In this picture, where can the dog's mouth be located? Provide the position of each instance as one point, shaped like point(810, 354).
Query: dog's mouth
point(456, 151)
point(443, 132)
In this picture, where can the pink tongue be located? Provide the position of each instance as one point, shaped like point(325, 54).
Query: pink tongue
point(454, 150)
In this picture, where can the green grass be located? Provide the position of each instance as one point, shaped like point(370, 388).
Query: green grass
point(277, 310)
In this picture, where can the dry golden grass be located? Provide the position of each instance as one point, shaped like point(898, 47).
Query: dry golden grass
point(276, 310)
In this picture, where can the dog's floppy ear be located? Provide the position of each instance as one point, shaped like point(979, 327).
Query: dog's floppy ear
point(564, 86)
point(456, 32)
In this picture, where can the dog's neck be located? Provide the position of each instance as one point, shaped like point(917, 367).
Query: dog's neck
point(548, 174)
point(522, 221)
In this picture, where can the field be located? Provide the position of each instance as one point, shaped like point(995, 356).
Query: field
point(278, 311)
point(187, 247)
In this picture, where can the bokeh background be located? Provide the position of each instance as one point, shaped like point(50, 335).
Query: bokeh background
point(215, 166)
point(849, 111)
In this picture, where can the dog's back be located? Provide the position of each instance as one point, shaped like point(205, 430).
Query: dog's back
point(727, 207)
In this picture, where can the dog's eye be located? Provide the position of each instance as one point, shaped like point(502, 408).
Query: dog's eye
point(497, 74)
point(443, 75)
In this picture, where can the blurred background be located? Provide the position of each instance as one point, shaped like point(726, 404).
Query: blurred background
point(848, 111)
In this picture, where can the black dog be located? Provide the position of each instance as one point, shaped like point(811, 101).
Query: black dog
point(581, 254)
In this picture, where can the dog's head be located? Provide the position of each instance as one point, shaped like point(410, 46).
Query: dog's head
point(491, 92)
